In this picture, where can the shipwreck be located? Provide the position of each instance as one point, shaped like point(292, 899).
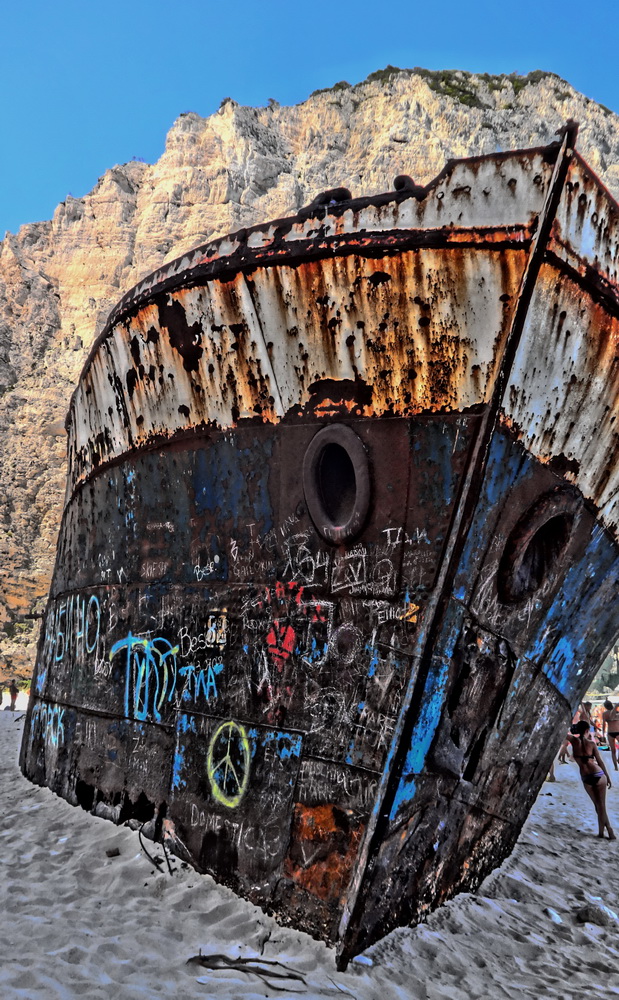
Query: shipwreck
point(339, 549)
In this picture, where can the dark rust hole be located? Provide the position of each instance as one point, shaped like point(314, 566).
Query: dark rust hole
point(526, 568)
point(337, 483)
point(475, 757)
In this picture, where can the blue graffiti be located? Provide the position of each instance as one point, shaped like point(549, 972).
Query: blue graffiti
point(374, 659)
point(72, 628)
point(507, 466)
point(150, 675)
point(185, 724)
point(285, 745)
point(49, 721)
point(41, 677)
point(423, 735)
point(311, 651)
point(431, 711)
point(200, 680)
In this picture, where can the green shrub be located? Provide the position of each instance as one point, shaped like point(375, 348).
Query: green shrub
point(340, 85)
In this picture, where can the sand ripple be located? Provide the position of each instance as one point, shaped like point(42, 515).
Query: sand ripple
point(77, 923)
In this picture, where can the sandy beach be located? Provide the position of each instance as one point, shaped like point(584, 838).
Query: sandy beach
point(85, 913)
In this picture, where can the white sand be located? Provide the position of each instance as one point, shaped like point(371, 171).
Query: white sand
point(76, 923)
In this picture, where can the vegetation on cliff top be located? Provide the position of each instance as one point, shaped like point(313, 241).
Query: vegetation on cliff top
point(458, 84)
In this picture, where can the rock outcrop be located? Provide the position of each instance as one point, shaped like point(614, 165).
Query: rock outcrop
point(242, 165)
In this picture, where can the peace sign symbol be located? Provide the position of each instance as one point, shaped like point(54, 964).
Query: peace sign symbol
point(227, 763)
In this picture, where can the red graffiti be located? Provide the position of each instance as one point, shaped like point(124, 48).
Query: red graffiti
point(282, 592)
point(280, 643)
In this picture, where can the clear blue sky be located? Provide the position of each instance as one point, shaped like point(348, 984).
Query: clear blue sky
point(85, 85)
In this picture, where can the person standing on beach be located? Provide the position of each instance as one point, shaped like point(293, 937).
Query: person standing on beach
point(593, 773)
point(13, 691)
point(584, 712)
point(611, 727)
point(581, 714)
point(562, 758)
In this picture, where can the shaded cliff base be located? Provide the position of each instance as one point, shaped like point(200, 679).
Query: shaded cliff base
point(87, 914)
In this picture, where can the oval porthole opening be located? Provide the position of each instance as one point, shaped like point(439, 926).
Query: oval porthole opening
point(336, 483)
point(534, 554)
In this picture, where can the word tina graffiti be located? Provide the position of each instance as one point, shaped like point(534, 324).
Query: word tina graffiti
point(200, 681)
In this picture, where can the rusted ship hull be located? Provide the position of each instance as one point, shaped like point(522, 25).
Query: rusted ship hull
point(339, 550)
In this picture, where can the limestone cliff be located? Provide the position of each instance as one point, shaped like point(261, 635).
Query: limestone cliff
point(59, 279)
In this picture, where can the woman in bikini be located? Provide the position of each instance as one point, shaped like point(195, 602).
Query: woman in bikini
point(611, 725)
point(593, 773)
point(581, 714)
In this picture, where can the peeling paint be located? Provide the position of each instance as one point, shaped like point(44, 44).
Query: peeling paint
point(332, 670)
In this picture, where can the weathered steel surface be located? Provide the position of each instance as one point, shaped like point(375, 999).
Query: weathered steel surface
point(573, 368)
point(498, 694)
point(331, 667)
point(244, 327)
point(421, 333)
point(222, 606)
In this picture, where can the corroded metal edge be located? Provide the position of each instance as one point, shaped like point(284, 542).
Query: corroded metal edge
point(437, 606)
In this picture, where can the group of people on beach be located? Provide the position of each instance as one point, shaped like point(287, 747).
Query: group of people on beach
point(584, 738)
point(13, 692)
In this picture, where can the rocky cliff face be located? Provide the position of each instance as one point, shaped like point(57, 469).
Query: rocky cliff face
point(59, 279)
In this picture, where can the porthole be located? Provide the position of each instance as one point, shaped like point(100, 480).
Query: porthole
point(535, 550)
point(336, 483)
